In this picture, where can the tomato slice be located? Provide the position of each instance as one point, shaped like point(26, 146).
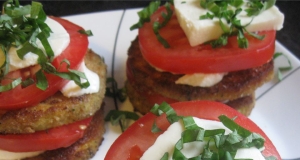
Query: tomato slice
point(54, 138)
point(138, 137)
point(182, 58)
point(31, 95)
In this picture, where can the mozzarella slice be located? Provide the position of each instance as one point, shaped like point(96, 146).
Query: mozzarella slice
point(200, 31)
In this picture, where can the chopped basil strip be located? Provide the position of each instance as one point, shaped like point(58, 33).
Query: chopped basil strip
point(217, 144)
point(284, 68)
point(21, 27)
point(157, 25)
point(11, 85)
point(43, 38)
point(223, 10)
point(27, 82)
point(36, 7)
point(155, 129)
point(75, 76)
point(42, 82)
point(145, 14)
point(271, 158)
point(115, 116)
point(86, 32)
point(257, 6)
point(167, 109)
point(2, 58)
point(112, 90)
point(165, 156)
point(164, 108)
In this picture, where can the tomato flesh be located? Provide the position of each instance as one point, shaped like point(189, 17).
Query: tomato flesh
point(138, 137)
point(31, 95)
point(54, 138)
point(182, 58)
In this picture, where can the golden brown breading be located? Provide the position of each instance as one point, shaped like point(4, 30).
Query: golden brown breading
point(244, 104)
point(236, 88)
point(83, 149)
point(234, 85)
point(58, 109)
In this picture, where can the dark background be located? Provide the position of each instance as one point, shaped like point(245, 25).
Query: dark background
point(289, 36)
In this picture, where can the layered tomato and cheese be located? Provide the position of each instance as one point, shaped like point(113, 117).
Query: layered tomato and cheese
point(193, 130)
point(202, 50)
point(51, 87)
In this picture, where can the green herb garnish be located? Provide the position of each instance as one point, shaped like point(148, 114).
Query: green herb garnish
point(11, 85)
point(218, 145)
point(117, 116)
point(112, 90)
point(21, 27)
point(226, 12)
point(145, 14)
point(282, 69)
point(168, 110)
point(157, 25)
point(86, 32)
point(255, 7)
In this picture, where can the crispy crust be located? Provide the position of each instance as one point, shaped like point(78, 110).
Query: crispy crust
point(83, 149)
point(244, 104)
point(234, 85)
point(58, 109)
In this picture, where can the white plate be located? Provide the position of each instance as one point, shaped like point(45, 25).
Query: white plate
point(277, 108)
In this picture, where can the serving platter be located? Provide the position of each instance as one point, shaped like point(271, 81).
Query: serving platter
point(277, 104)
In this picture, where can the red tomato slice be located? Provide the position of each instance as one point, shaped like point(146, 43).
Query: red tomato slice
point(31, 95)
point(54, 138)
point(138, 137)
point(182, 58)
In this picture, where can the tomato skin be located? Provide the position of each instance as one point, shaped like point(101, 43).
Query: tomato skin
point(53, 138)
point(31, 95)
point(182, 58)
point(139, 134)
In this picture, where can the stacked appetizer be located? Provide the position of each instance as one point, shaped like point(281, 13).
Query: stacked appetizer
point(202, 50)
point(51, 87)
point(193, 130)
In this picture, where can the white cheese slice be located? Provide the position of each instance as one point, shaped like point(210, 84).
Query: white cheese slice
point(59, 39)
point(6, 155)
point(200, 31)
point(73, 90)
point(201, 79)
point(166, 142)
